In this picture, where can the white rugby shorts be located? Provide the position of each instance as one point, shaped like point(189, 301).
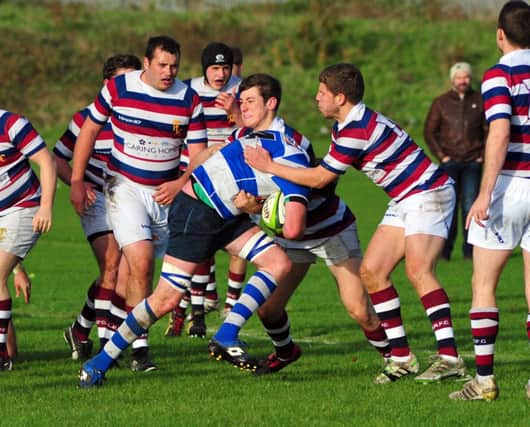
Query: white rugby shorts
point(16, 231)
point(428, 212)
point(509, 217)
point(333, 250)
point(134, 215)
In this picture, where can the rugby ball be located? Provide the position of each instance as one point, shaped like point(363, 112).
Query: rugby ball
point(273, 213)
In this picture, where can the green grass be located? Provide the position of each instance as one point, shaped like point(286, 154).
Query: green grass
point(330, 385)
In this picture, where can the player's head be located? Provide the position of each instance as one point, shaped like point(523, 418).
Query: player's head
point(217, 60)
point(514, 19)
point(340, 84)
point(260, 96)
point(237, 66)
point(460, 75)
point(161, 62)
point(119, 64)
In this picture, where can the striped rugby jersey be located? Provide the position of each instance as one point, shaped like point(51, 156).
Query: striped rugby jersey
point(327, 214)
point(370, 142)
point(218, 125)
point(224, 174)
point(149, 126)
point(506, 95)
point(97, 163)
point(19, 186)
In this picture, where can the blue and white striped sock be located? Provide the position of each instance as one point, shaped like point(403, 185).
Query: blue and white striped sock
point(256, 291)
point(137, 323)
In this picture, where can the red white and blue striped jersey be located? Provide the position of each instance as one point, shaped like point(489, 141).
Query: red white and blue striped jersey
point(218, 125)
point(506, 95)
point(97, 163)
point(224, 174)
point(149, 127)
point(19, 186)
point(327, 214)
point(370, 142)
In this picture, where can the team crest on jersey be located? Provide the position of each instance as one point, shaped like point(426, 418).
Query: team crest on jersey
point(3, 232)
point(2, 158)
point(178, 130)
point(290, 141)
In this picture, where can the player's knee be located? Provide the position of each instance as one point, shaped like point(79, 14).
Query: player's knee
point(368, 277)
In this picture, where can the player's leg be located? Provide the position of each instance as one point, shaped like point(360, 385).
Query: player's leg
point(17, 239)
point(118, 306)
point(175, 277)
point(108, 254)
point(7, 263)
point(211, 297)
point(484, 314)
point(272, 265)
point(276, 322)
point(526, 257)
point(140, 262)
point(355, 299)
point(199, 281)
point(11, 343)
point(96, 226)
point(237, 270)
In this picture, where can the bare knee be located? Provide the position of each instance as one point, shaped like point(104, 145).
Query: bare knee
point(369, 278)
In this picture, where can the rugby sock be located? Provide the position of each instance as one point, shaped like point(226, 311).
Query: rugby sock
point(379, 341)
point(86, 319)
point(257, 290)
point(528, 326)
point(102, 305)
point(280, 334)
point(199, 281)
point(211, 296)
point(117, 314)
point(141, 339)
point(484, 328)
point(388, 308)
point(437, 307)
point(235, 284)
point(138, 321)
point(5, 317)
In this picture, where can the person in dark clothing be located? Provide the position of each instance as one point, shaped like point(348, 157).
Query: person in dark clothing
point(455, 131)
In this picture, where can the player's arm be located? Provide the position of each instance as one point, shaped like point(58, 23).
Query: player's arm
point(64, 170)
point(495, 154)
point(42, 221)
point(295, 216)
point(82, 152)
point(316, 177)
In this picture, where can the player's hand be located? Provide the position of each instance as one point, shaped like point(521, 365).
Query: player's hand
point(166, 192)
point(90, 197)
point(22, 284)
point(247, 202)
point(258, 158)
point(479, 210)
point(42, 221)
point(228, 102)
point(78, 197)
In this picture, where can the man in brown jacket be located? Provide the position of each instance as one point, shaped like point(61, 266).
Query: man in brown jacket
point(455, 131)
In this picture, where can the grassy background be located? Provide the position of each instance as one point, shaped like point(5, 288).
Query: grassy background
point(51, 60)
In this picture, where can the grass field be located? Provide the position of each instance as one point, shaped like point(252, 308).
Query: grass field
point(50, 68)
point(330, 385)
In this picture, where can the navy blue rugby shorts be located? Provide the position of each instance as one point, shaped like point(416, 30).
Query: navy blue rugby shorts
point(197, 232)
